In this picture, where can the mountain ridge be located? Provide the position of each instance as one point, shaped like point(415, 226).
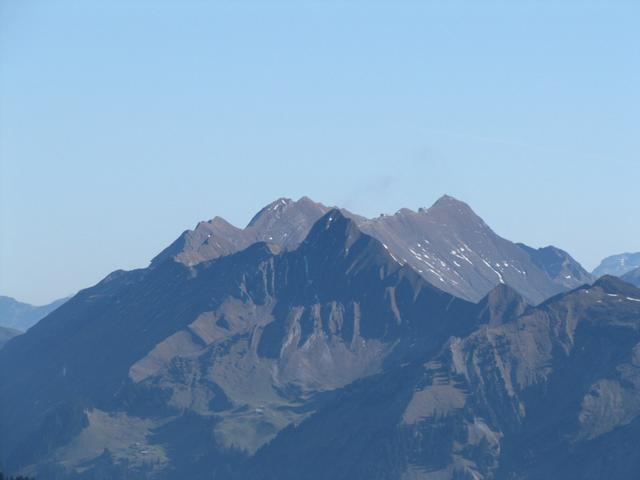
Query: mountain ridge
point(434, 241)
point(285, 219)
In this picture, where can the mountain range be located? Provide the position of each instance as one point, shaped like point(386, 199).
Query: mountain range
point(318, 344)
point(447, 244)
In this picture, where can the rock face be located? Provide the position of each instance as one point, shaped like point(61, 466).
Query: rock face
point(21, 316)
point(240, 358)
point(618, 265)
point(632, 277)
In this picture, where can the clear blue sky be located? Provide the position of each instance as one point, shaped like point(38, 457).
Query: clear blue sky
point(122, 123)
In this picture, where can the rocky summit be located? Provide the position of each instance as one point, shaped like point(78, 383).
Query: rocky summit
point(315, 343)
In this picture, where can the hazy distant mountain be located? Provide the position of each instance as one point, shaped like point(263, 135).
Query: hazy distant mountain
point(223, 362)
point(618, 265)
point(632, 277)
point(7, 334)
point(20, 316)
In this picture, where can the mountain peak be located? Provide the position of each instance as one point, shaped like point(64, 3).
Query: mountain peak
point(450, 207)
point(501, 304)
point(448, 201)
point(304, 207)
point(272, 208)
point(336, 237)
point(304, 200)
point(333, 224)
point(446, 198)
